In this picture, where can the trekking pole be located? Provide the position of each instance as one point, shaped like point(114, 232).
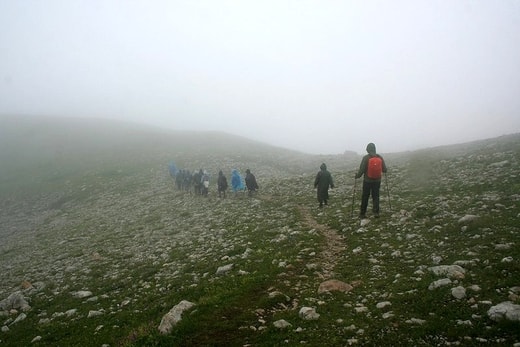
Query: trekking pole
point(388, 193)
point(353, 198)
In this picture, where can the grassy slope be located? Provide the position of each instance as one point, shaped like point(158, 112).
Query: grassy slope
point(105, 218)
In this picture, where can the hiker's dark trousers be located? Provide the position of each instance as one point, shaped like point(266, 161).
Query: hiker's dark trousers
point(370, 188)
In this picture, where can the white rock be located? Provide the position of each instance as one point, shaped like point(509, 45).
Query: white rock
point(170, 319)
point(82, 294)
point(308, 313)
point(416, 321)
point(387, 315)
point(15, 301)
point(383, 304)
point(20, 318)
point(5, 329)
point(458, 292)
point(224, 269)
point(499, 164)
point(436, 259)
point(94, 313)
point(36, 339)
point(475, 288)
point(507, 260)
point(282, 324)
point(357, 250)
point(439, 283)
point(468, 218)
point(505, 310)
point(361, 309)
point(464, 322)
point(452, 271)
point(71, 312)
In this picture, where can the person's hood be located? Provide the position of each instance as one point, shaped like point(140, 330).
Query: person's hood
point(323, 166)
point(371, 148)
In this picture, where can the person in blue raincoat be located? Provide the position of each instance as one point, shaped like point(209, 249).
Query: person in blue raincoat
point(237, 183)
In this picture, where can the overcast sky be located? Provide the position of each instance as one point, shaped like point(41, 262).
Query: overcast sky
point(316, 76)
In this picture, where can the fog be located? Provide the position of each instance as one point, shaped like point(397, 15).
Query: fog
point(315, 76)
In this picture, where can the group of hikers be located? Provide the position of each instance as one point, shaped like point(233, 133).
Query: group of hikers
point(198, 181)
point(372, 168)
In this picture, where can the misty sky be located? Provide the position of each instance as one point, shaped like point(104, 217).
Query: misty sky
point(316, 76)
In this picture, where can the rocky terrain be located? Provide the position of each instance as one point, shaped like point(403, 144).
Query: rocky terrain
point(116, 255)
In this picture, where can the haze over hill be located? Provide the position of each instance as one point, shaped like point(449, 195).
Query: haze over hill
point(311, 76)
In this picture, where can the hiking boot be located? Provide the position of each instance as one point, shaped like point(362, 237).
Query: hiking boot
point(376, 215)
point(362, 216)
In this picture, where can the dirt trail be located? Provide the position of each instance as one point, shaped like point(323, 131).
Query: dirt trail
point(335, 246)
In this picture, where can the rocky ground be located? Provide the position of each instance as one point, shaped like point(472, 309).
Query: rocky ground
point(440, 267)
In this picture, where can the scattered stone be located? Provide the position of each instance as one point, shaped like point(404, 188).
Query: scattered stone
point(464, 322)
point(361, 309)
point(174, 316)
point(282, 324)
point(36, 339)
point(334, 286)
point(383, 304)
point(387, 315)
point(94, 313)
point(499, 164)
point(20, 318)
point(224, 269)
point(439, 283)
point(15, 301)
point(452, 271)
point(82, 294)
point(71, 312)
point(416, 321)
point(468, 218)
point(458, 293)
point(364, 222)
point(505, 310)
point(308, 313)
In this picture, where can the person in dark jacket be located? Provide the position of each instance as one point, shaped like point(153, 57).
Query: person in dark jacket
point(371, 180)
point(322, 182)
point(251, 184)
point(222, 184)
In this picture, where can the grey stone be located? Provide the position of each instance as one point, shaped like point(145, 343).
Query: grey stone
point(174, 316)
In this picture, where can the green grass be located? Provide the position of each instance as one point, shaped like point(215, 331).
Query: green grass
point(121, 231)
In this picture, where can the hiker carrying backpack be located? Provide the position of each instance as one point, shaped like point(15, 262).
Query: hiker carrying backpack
point(372, 168)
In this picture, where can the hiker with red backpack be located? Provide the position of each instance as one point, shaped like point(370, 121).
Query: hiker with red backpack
point(372, 168)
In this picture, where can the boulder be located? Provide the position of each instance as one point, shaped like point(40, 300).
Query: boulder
point(334, 286)
point(309, 313)
point(505, 310)
point(174, 316)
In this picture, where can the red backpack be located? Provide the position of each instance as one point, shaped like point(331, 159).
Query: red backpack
point(375, 168)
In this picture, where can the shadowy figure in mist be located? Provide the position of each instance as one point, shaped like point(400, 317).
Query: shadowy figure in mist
point(251, 184)
point(322, 182)
point(222, 184)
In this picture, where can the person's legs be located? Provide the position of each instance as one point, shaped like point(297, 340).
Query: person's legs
point(364, 199)
point(375, 197)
